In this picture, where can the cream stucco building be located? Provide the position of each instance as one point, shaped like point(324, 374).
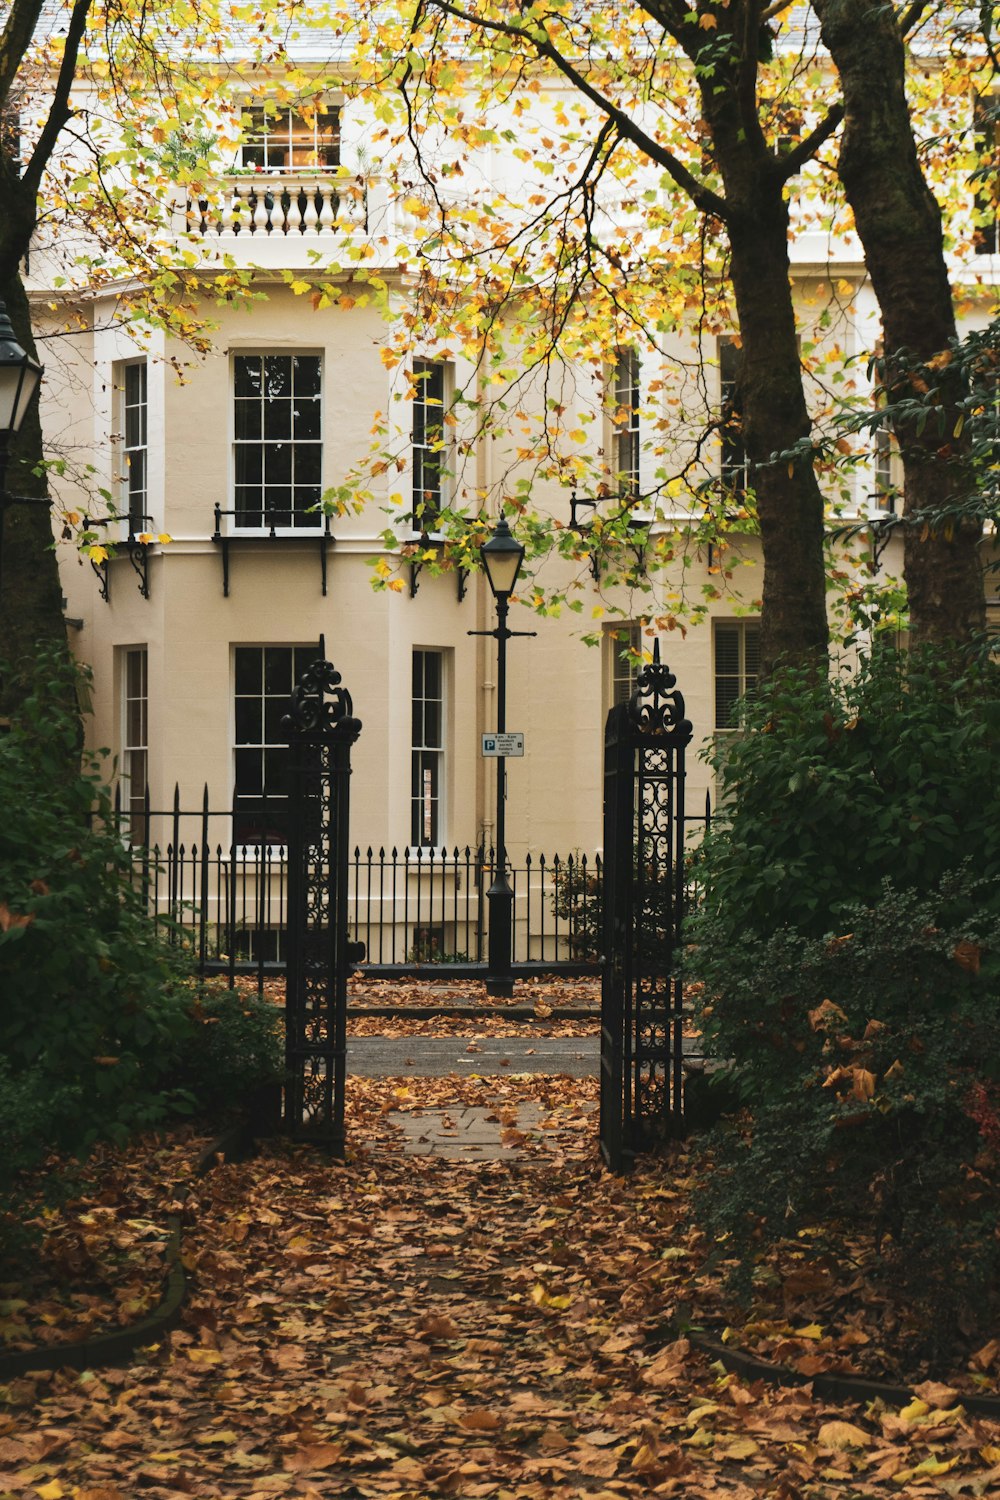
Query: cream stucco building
point(195, 642)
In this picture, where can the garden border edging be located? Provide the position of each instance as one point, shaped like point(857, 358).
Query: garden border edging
point(116, 1345)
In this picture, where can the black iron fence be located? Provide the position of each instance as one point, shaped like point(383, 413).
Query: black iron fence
point(417, 911)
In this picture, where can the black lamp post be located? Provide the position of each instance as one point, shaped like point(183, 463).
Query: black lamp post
point(502, 556)
point(20, 377)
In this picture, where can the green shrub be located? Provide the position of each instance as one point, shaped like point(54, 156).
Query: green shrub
point(869, 1061)
point(886, 773)
point(235, 1049)
point(100, 1011)
point(848, 940)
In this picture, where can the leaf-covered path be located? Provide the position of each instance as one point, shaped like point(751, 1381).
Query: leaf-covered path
point(411, 1326)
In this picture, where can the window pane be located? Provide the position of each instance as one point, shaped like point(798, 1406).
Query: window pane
point(248, 424)
point(248, 772)
point(278, 670)
point(276, 771)
point(306, 371)
point(248, 721)
point(308, 465)
point(727, 650)
point(248, 375)
point(274, 711)
point(278, 464)
point(306, 417)
point(248, 669)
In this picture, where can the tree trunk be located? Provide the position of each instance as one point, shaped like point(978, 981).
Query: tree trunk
point(775, 418)
point(31, 612)
point(899, 223)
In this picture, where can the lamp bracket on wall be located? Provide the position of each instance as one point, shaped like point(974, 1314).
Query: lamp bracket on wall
point(131, 546)
point(639, 529)
point(426, 543)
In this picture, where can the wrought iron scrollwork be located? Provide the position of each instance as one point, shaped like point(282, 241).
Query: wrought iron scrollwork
point(656, 707)
point(319, 702)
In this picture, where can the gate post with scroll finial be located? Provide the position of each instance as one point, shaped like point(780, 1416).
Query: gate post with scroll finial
point(320, 729)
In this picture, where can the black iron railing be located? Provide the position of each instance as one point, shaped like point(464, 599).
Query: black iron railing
point(417, 911)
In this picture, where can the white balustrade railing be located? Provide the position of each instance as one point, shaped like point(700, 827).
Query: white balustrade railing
point(271, 205)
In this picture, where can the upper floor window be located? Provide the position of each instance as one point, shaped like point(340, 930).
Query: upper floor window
point(278, 446)
point(986, 127)
point(134, 453)
point(625, 424)
point(288, 140)
point(431, 393)
point(737, 666)
point(734, 469)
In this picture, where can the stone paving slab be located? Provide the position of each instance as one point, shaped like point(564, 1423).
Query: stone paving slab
point(473, 1134)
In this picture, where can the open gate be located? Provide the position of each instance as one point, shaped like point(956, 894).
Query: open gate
point(641, 996)
point(320, 728)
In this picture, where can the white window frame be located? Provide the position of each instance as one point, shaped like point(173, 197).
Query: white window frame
point(625, 443)
point(133, 761)
point(264, 744)
point(621, 673)
point(431, 443)
point(312, 522)
point(743, 678)
point(734, 470)
point(269, 134)
point(132, 421)
point(428, 753)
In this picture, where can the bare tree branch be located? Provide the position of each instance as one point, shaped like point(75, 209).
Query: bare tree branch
point(701, 196)
point(810, 144)
point(59, 110)
point(15, 41)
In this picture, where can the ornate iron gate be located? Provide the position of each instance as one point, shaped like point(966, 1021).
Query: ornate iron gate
point(641, 997)
point(320, 728)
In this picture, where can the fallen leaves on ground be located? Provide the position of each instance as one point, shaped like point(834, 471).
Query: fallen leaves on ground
point(408, 1327)
point(97, 1260)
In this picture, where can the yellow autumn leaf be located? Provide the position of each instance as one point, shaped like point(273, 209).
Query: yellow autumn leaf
point(51, 1491)
point(935, 1466)
point(810, 1331)
point(396, 585)
point(541, 1297)
point(164, 538)
point(742, 1448)
point(842, 1435)
point(914, 1411)
point(97, 554)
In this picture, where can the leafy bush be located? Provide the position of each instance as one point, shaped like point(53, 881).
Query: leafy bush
point(577, 903)
point(870, 1062)
point(888, 773)
point(99, 1010)
point(849, 945)
point(234, 1050)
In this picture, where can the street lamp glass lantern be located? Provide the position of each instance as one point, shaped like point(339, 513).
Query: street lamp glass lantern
point(20, 376)
point(502, 556)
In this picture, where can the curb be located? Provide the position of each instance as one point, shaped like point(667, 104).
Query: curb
point(852, 1389)
point(474, 1012)
point(116, 1346)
